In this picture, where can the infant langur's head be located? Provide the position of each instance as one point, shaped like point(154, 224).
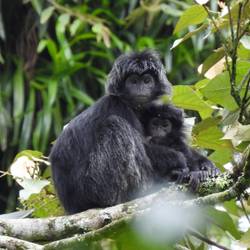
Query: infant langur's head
point(166, 121)
point(159, 127)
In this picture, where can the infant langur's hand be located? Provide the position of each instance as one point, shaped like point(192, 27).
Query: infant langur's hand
point(180, 169)
point(207, 165)
point(180, 176)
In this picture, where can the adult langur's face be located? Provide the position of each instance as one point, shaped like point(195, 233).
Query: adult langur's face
point(139, 89)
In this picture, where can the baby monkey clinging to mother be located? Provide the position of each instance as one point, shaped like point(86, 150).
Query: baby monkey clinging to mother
point(165, 128)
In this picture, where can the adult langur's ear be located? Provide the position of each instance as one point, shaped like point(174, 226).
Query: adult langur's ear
point(165, 85)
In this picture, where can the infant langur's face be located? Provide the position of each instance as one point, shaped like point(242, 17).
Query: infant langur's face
point(159, 127)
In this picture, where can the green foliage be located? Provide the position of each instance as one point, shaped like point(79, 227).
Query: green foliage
point(196, 14)
point(185, 97)
point(44, 204)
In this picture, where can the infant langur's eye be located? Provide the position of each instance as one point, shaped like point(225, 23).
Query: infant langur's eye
point(147, 78)
point(166, 123)
point(132, 79)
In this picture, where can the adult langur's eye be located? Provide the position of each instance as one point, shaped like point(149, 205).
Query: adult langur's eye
point(147, 78)
point(155, 122)
point(132, 79)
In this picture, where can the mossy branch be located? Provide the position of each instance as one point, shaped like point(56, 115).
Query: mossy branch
point(94, 223)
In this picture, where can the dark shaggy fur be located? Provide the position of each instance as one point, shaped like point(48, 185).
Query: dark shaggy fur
point(199, 167)
point(100, 159)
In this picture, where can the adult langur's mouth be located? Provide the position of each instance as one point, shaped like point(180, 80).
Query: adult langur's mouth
point(142, 98)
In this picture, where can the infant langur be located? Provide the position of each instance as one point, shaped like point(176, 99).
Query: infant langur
point(165, 127)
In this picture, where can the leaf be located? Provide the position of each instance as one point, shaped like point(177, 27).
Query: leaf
point(30, 154)
point(51, 46)
point(2, 31)
point(188, 35)
point(31, 186)
point(170, 10)
point(224, 221)
point(245, 239)
point(36, 137)
point(41, 46)
point(46, 123)
point(18, 105)
point(52, 90)
point(185, 97)
point(75, 26)
point(201, 2)
point(218, 90)
point(206, 134)
point(27, 121)
point(5, 125)
point(46, 14)
point(1, 58)
point(221, 156)
point(62, 23)
point(81, 96)
point(231, 207)
point(231, 118)
point(238, 133)
point(245, 40)
point(243, 53)
point(102, 33)
point(44, 203)
point(243, 68)
point(201, 84)
point(24, 167)
point(37, 5)
point(216, 69)
point(194, 15)
point(211, 60)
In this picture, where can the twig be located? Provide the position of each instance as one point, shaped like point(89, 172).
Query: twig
point(244, 101)
point(246, 76)
point(246, 92)
point(232, 73)
point(3, 173)
point(206, 240)
point(224, 42)
point(238, 22)
point(244, 30)
point(244, 210)
point(7, 242)
point(230, 20)
point(92, 20)
point(235, 41)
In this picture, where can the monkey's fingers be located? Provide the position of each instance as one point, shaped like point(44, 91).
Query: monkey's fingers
point(179, 176)
point(215, 172)
point(204, 175)
point(194, 181)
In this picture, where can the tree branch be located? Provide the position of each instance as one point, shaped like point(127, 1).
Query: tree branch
point(59, 227)
point(7, 242)
point(93, 224)
point(206, 240)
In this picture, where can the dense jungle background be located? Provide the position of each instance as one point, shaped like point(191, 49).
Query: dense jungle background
point(54, 59)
